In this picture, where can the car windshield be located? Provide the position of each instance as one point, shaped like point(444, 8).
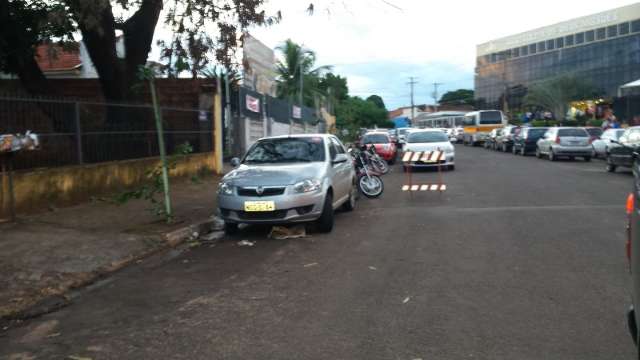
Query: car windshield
point(594, 131)
point(375, 139)
point(538, 132)
point(617, 134)
point(427, 137)
point(490, 117)
point(403, 131)
point(286, 150)
point(573, 132)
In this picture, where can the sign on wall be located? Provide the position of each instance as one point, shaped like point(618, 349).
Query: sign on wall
point(297, 112)
point(253, 104)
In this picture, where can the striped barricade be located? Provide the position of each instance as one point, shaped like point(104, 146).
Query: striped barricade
point(426, 157)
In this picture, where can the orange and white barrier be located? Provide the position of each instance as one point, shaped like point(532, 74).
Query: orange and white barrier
point(425, 157)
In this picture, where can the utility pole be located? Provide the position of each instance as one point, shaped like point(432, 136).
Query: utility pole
point(412, 82)
point(435, 94)
point(304, 124)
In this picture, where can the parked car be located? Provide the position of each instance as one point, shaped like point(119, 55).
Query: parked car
point(490, 142)
point(621, 151)
point(565, 142)
point(632, 248)
point(288, 179)
point(526, 141)
point(431, 140)
point(601, 145)
point(402, 135)
point(594, 132)
point(382, 144)
point(504, 142)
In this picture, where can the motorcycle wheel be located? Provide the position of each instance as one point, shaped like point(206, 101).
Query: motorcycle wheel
point(371, 186)
point(381, 166)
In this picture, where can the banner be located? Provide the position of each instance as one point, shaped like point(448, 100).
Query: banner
point(297, 112)
point(253, 104)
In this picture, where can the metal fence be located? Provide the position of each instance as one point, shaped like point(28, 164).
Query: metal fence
point(87, 132)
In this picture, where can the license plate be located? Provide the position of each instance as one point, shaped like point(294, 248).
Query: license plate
point(259, 206)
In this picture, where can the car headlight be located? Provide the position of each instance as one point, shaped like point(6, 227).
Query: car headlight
point(449, 151)
point(225, 188)
point(306, 186)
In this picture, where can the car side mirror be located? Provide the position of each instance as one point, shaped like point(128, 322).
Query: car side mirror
point(615, 142)
point(235, 162)
point(340, 158)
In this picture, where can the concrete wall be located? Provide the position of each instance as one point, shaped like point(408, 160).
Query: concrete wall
point(37, 190)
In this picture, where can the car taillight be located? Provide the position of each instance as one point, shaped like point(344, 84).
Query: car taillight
point(558, 140)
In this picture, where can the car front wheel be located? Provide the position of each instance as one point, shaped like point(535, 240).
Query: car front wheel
point(610, 167)
point(230, 228)
point(325, 222)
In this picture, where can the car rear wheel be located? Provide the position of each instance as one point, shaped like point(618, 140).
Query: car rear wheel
point(350, 205)
point(522, 152)
point(452, 167)
point(552, 156)
point(587, 158)
point(325, 222)
point(538, 153)
point(504, 148)
point(230, 228)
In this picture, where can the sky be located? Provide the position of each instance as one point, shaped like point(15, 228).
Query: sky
point(379, 44)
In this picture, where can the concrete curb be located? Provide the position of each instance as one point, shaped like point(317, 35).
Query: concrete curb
point(62, 299)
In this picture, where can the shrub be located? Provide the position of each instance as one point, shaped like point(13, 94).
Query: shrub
point(544, 123)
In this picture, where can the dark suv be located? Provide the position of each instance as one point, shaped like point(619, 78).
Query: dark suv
point(620, 153)
point(525, 141)
point(504, 142)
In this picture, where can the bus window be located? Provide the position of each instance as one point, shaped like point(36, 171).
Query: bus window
point(490, 117)
point(469, 121)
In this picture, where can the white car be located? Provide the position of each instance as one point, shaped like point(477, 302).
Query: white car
point(431, 140)
point(601, 146)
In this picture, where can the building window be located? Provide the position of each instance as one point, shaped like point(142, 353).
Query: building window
point(568, 40)
point(601, 34)
point(623, 29)
point(551, 44)
point(559, 43)
point(579, 38)
point(532, 49)
point(612, 31)
point(590, 36)
point(542, 46)
point(524, 51)
point(515, 52)
point(494, 57)
point(635, 26)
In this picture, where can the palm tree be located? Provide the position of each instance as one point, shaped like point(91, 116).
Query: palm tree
point(556, 94)
point(297, 60)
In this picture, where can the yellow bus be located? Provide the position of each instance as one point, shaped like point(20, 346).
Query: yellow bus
point(478, 124)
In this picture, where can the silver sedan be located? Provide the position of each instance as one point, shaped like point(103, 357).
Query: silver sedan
point(289, 179)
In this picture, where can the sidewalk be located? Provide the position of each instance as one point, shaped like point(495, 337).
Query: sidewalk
point(43, 256)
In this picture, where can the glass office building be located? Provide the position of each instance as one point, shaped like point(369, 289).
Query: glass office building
point(603, 48)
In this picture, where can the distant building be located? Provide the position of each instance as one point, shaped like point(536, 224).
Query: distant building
point(406, 111)
point(73, 63)
point(603, 48)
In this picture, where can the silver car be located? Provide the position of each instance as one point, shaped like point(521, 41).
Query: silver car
point(289, 179)
point(601, 146)
point(565, 141)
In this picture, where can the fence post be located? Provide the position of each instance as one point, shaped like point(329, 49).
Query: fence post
point(79, 152)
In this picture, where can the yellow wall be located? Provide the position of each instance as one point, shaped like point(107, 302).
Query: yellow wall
point(36, 190)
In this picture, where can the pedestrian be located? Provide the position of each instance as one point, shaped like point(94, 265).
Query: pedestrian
point(608, 120)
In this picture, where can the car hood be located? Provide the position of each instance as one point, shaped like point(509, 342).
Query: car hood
point(442, 146)
point(274, 174)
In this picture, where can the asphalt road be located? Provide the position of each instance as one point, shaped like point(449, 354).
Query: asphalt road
point(519, 259)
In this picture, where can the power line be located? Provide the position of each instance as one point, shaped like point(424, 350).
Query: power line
point(412, 82)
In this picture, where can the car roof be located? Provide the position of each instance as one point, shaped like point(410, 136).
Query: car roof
point(377, 133)
point(293, 136)
point(426, 130)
